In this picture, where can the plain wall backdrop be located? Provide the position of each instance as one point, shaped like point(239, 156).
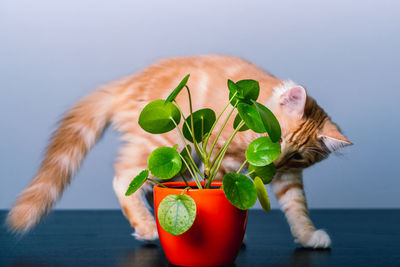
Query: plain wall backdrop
point(346, 53)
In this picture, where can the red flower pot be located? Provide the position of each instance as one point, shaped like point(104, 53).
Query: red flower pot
point(216, 235)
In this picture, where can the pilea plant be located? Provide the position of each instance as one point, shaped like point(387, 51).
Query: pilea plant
point(176, 213)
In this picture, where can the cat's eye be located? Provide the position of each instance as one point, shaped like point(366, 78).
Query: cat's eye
point(297, 156)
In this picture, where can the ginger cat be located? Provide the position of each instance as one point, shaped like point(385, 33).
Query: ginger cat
point(308, 136)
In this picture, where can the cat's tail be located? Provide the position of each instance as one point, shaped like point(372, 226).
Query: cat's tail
point(79, 130)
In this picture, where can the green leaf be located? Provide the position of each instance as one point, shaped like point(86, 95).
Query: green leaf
point(262, 151)
point(164, 162)
point(270, 122)
point(239, 190)
point(251, 117)
point(137, 182)
point(248, 90)
point(177, 90)
point(262, 194)
point(157, 118)
point(266, 173)
point(203, 120)
point(186, 156)
point(236, 122)
point(176, 213)
point(175, 146)
point(233, 88)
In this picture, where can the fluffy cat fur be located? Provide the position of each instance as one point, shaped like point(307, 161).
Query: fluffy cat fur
point(308, 136)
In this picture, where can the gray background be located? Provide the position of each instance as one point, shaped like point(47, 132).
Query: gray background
point(345, 52)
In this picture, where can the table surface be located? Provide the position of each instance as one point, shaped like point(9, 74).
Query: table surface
point(102, 238)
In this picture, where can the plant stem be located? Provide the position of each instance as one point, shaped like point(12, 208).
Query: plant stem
point(217, 164)
point(196, 145)
point(250, 172)
point(183, 116)
point(157, 182)
point(215, 123)
point(192, 172)
point(219, 133)
point(223, 151)
point(216, 157)
point(190, 156)
point(241, 167)
point(188, 166)
point(186, 188)
point(198, 148)
point(184, 179)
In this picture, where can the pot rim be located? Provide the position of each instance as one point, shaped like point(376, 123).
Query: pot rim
point(171, 187)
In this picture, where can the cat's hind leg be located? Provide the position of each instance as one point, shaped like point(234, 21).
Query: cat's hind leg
point(129, 164)
point(288, 188)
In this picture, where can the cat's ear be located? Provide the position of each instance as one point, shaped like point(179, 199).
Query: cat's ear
point(332, 138)
point(293, 101)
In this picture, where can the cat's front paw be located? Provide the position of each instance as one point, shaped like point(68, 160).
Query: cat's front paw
point(146, 233)
point(317, 239)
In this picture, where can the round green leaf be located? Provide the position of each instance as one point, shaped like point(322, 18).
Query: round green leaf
point(266, 173)
point(157, 118)
point(186, 156)
point(137, 182)
point(251, 117)
point(247, 91)
point(176, 213)
point(233, 88)
point(262, 151)
point(250, 89)
point(236, 122)
point(164, 162)
point(270, 122)
point(262, 194)
point(177, 90)
point(239, 190)
point(203, 120)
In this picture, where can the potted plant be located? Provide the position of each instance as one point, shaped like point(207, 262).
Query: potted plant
point(202, 222)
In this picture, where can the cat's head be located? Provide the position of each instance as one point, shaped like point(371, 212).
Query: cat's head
point(308, 134)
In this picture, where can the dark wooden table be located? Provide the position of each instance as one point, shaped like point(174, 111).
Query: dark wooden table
point(102, 238)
